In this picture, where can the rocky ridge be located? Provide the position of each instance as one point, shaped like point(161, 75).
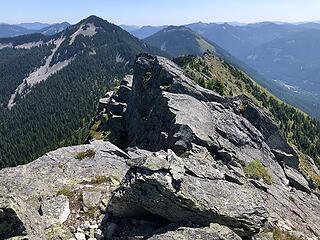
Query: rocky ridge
point(193, 165)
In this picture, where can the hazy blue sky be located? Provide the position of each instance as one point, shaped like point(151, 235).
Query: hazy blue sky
point(156, 12)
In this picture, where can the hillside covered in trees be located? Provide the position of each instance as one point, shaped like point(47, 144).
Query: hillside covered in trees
point(53, 110)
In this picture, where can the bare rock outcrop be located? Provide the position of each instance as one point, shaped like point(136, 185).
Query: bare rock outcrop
point(45, 196)
point(187, 164)
point(167, 110)
point(214, 232)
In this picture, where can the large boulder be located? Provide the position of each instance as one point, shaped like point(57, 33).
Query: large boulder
point(192, 190)
point(55, 210)
point(47, 192)
point(214, 232)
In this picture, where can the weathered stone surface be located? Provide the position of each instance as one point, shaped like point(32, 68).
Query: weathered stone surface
point(214, 232)
point(31, 190)
point(165, 186)
point(55, 210)
point(296, 179)
point(167, 110)
point(80, 236)
point(91, 198)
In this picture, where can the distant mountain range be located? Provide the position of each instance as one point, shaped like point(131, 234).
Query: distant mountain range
point(186, 149)
point(7, 30)
point(146, 31)
point(34, 25)
point(286, 55)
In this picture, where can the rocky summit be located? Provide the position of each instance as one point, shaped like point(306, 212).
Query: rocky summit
point(184, 163)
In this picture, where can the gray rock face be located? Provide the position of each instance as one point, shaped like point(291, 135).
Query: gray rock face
point(35, 192)
point(55, 210)
point(214, 232)
point(91, 198)
point(167, 110)
point(178, 190)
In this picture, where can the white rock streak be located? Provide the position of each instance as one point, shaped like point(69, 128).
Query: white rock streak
point(5, 45)
point(41, 74)
point(88, 29)
point(29, 45)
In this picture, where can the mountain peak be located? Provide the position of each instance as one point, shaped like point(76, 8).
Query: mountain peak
point(180, 40)
point(176, 28)
point(93, 19)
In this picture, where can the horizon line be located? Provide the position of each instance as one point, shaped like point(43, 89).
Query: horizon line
point(157, 25)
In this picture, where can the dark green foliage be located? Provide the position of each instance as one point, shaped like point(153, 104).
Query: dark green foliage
point(15, 65)
point(53, 115)
point(205, 78)
point(216, 86)
point(35, 37)
point(57, 112)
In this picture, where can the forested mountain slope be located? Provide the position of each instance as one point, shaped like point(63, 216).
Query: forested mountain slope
point(50, 85)
point(293, 62)
point(180, 40)
point(286, 55)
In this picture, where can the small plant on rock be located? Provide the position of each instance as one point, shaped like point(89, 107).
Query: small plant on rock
point(256, 170)
point(65, 192)
point(279, 234)
point(90, 153)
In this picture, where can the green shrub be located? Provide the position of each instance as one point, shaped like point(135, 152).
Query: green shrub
point(279, 234)
point(216, 86)
point(308, 169)
point(256, 170)
point(65, 192)
point(90, 153)
point(107, 136)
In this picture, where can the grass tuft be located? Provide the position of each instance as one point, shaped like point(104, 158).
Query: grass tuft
point(256, 170)
point(90, 153)
point(65, 192)
point(279, 234)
